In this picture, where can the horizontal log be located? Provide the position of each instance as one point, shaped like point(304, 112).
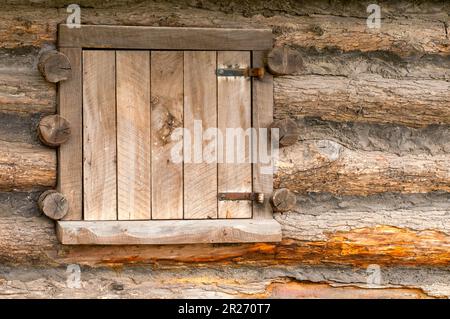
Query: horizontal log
point(406, 230)
point(24, 166)
point(315, 164)
point(401, 35)
point(26, 91)
point(352, 34)
point(366, 98)
point(331, 61)
point(242, 282)
point(327, 166)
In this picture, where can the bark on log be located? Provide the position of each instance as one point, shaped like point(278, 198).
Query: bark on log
point(326, 166)
point(239, 282)
point(307, 166)
point(400, 35)
point(407, 230)
point(24, 166)
point(366, 98)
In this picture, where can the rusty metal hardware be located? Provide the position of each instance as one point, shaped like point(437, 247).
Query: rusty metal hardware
point(258, 197)
point(247, 72)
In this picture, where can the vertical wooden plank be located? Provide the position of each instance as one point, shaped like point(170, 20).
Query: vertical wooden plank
point(70, 164)
point(133, 135)
point(234, 121)
point(167, 115)
point(262, 112)
point(200, 104)
point(99, 135)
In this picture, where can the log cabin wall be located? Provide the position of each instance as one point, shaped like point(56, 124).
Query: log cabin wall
point(371, 169)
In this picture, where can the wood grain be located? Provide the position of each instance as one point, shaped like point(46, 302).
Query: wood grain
point(70, 154)
point(163, 38)
point(167, 116)
point(168, 232)
point(99, 135)
point(262, 117)
point(133, 135)
point(200, 104)
point(234, 112)
point(363, 98)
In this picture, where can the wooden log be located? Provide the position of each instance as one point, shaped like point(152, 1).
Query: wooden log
point(320, 165)
point(283, 200)
point(282, 281)
point(402, 35)
point(53, 204)
point(327, 166)
point(288, 131)
point(407, 230)
point(284, 61)
point(53, 130)
point(26, 167)
point(54, 66)
point(364, 98)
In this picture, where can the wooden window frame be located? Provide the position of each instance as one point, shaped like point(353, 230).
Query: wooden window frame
point(75, 231)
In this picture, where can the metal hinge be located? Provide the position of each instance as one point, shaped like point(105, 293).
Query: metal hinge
point(258, 197)
point(248, 72)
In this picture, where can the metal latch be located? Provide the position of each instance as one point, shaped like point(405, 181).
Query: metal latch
point(248, 72)
point(258, 197)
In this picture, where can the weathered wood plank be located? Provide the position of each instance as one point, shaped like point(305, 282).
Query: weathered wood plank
point(200, 114)
point(163, 38)
point(262, 117)
point(366, 98)
point(168, 232)
point(234, 112)
point(167, 116)
point(133, 135)
point(99, 135)
point(70, 167)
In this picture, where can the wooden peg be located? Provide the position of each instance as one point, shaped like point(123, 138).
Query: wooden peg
point(53, 130)
point(284, 61)
point(283, 200)
point(53, 204)
point(288, 131)
point(54, 66)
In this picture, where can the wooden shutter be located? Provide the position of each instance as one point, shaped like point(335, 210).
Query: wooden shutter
point(125, 188)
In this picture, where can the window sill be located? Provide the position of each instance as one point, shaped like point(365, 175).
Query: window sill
point(157, 232)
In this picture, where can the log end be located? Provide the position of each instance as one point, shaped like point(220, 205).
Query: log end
point(284, 61)
point(53, 204)
point(283, 200)
point(54, 66)
point(288, 131)
point(53, 130)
